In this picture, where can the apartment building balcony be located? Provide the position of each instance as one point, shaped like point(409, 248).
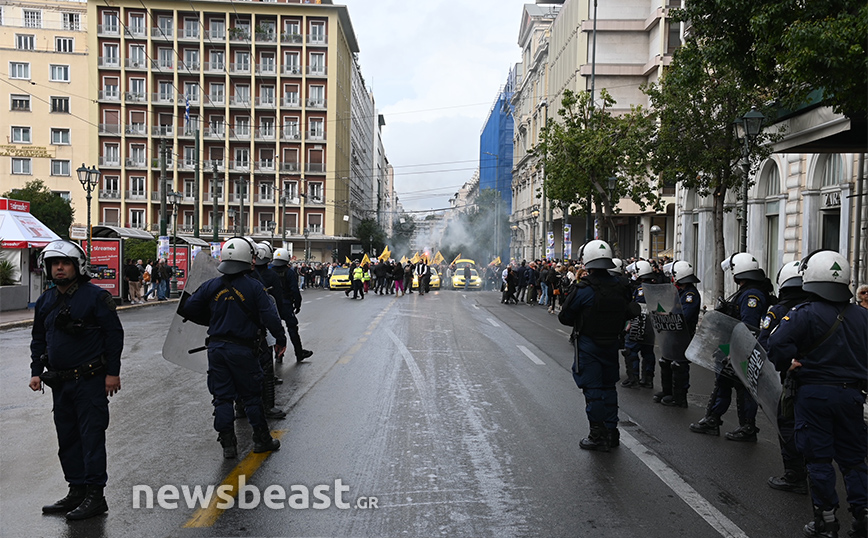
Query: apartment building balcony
point(136, 196)
point(187, 164)
point(136, 64)
point(290, 70)
point(113, 96)
point(315, 168)
point(317, 39)
point(292, 101)
point(163, 65)
point(239, 101)
point(162, 33)
point(263, 200)
point(215, 100)
point(109, 129)
point(235, 197)
point(189, 34)
point(265, 134)
point(155, 163)
point(291, 38)
point(215, 67)
point(265, 102)
point(163, 131)
point(211, 132)
point(194, 98)
point(163, 98)
point(317, 71)
point(136, 129)
point(318, 136)
point(109, 162)
point(109, 195)
point(266, 69)
point(135, 32)
point(108, 62)
point(265, 37)
point(314, 200)
point(316, 103)
point(208, 199)
point(240, 133)
point(209, 164)
point(239, 68)
point(264, 166)
point(290, 134)
point(135, 163)
point(239, 35)
point(112, 30)
point(192, 67)
point(239, 166)
point(289, 167)
point(216, 35)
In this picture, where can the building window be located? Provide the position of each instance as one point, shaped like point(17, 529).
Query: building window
point(60, 137)
point(64, 44)
point(137, 218)
point(137, 186)
point(833, 170)
point(63, 194)
point(315, 192)
point(60, 104)
point(25, 42)
point(71, 21)
point(32, 18)
point(21, 103)
point(314, 223)
point(58, 73)
point(111, 216)
point(59, 168)
point(110, 23)
point(21, 166)
point(19, 70)
point(21, 135)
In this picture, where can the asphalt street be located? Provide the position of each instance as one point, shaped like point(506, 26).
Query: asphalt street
point(448, 414)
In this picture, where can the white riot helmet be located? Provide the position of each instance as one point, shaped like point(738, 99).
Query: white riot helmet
point(744, 266)
point(263, 253)
point(643, 269)
point(63, 249)
point(682, 273)
point(236, 256)
point(596, 254)
point(789, 275)
point(827, 274)
point(280, 258)
point(618, 270)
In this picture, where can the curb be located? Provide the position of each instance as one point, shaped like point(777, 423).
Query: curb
point(28, 322)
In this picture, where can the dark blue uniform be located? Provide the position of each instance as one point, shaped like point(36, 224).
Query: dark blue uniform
point(643, 346)
point(73, 329)
point(830, 398)
point(595, 370)
point(233, 368)
point(290, 302)
point(675, 371)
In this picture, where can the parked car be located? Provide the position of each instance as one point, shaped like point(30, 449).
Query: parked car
point(340, 279)
point(458, 280)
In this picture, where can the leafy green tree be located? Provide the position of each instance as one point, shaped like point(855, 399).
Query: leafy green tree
point(588, 146)
point(52, 210)
point(141, 249)
point(371, 235)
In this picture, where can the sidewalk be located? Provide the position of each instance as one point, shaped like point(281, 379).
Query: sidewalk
point(22, 318)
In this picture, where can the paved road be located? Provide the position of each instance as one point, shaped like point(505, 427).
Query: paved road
point(456, 413)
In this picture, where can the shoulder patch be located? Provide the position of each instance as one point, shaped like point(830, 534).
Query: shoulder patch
point(688, 298)
point(765, 323)
point(752, 302)
point(108, 300)
point(640, 292)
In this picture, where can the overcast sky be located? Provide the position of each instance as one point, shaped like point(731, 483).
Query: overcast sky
point(435, 67)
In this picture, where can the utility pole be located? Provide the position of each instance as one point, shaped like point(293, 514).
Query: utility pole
point(214, 178)
point(163, 223)
point(196, 189)
point(283, 214)
point(243, 184)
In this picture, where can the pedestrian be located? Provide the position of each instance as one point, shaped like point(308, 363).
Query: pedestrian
point(862, 296)
point(147, 288)
point(236, 308)
point(408, 278)
point(467, 275)
point(521, 279)
point(423, 274)
point(597, 310)
point(290, 305)
point(824, 343)
point(358, 286)
point(675, 371)
point(271, 281)
point(640, 336)
point(398, 277)
point(749, 304)
point(78, 338)
point(133, 278)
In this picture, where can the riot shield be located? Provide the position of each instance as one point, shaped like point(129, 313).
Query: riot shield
point(751, 366)
point(185, 341)
point(671, 333)
point(710, 345)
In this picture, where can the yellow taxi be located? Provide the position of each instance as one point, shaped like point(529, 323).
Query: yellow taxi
point(433, 282)
point(340, 279)
point(458, 280)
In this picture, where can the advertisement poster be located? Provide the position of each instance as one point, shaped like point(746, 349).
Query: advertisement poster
point(215, 250)
point(550, 245)
point(196, 251)
point(568, 234)
point(568, 250)
point(179, 260)
point(596, 228)
point(163, 247)
point(105, 262)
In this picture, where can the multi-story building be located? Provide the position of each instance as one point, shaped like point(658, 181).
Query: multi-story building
point(495, 161)
point(359, 205)
point(257, 91)
point(45, 119)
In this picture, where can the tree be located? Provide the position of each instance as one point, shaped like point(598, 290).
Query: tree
point(588, 146)
point(52, 210)
point(696, 143)
point(141, 249)
point(403, 228)
point(371, 235)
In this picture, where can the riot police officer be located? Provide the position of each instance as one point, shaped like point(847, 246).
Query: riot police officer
point(237, 310)
point(748, 304)
point(640, 338)
point(272, 285)
point(675, 371)
point(791, 294)
point(78, 338)
point(598, 311)
point(290, 304)
point(824, 342)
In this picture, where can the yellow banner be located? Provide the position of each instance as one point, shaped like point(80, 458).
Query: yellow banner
point(495, 261)
point(456, 259)
point(404, 260)
point(438, 258)
point(415, 258)
point(366, 260)
point(385, 255)
point(349, 261)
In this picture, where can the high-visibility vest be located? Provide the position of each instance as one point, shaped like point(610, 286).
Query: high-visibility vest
point(357, 273)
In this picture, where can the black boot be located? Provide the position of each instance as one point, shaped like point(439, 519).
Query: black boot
point(790, 481)
point(597, 439)
point(820, 527)
point(709, 425)
point(658, 396)
point(672, 401)
point(305, 353)
point(745, 433)
point(647, 380)
point(93, 505)
point(614, 437)
point(72, 500)
point(860, 523)
point(229, 443)
point(263, 442)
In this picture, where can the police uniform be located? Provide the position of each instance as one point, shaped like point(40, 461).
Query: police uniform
point(600, 308)
point(81, 338)
point(675, 371)
point(233, 332)
point(640, 340)
point(288, 305)
point(831, 381)
point(271, 282)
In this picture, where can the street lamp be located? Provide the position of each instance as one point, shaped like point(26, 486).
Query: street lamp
point(232, 216)
point(174, 198)
point(89, 179)
point(515, 247)
point(749, 127)
point(655, 231)
point(271, 226)
point(534, 215)
point(242, 188)
point(306, 244)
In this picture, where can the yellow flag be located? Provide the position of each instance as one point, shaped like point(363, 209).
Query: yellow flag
point(348, 262)
point(404, 260)
point(456, 259)
point(366, 260)
point(415, 258)
point(385, 255)
point(438, 258)
point(495, 261)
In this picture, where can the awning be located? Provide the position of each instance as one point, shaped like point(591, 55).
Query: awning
point(20, 229)
point(118, 231)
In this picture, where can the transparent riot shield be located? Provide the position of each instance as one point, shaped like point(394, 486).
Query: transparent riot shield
point(671, 333)
point(751, 366)
point(185, 341)
point(710, 345)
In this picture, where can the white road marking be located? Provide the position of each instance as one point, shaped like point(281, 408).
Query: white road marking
point(490, 320)
point(694, 500)
point(531, 356)
point(563, 332)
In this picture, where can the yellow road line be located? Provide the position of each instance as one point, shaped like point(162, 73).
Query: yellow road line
point(206, 517)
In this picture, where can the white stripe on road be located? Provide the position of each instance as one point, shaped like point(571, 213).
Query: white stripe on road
point(490, 320)
point(563, 332)
point(694, 500)
point(531, 356)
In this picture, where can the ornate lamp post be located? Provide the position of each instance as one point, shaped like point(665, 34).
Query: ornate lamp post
point(655, 231)
point(306, 244)
point(748, 127)
point(232, 216)
point(89, 179)
point(174, 198)
point(534, 216)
